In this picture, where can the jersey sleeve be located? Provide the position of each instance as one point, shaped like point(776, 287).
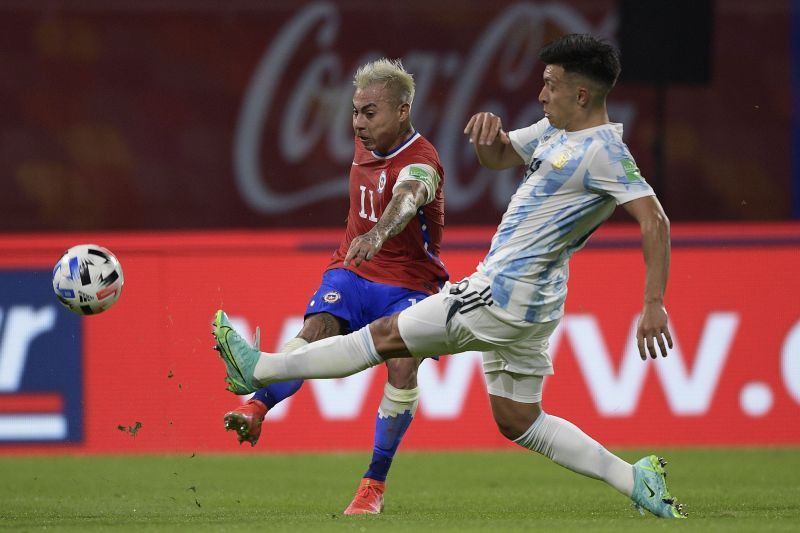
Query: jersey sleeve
point(424, 173)
point(525, 140)
point(613, 172)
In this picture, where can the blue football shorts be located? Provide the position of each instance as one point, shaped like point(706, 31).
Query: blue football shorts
point(359, 301)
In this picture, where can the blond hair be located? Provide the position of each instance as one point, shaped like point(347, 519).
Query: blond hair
point(389, 73)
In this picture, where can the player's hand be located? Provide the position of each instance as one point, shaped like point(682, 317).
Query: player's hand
point(363, 248)
point(651, 330)
point(484, 128)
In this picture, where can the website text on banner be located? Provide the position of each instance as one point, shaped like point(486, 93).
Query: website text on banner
point(72, 384)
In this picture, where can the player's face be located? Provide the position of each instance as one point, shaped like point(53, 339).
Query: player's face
point(379, 121)
point(559, 97)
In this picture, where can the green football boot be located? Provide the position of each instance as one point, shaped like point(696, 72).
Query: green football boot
point(650, 489)
point(239, 356)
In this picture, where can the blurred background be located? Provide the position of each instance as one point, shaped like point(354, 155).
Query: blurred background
point(207, 114)
point(208, 144)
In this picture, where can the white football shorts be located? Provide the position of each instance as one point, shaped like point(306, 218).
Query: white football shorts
point(462, 317)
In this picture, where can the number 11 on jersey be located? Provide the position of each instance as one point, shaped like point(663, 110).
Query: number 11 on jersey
point(363, 213)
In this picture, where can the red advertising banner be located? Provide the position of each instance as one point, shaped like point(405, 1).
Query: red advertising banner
point(84, 384)
point(146, 114)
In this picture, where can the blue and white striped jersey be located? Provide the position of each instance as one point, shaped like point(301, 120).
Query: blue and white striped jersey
point(573, 182)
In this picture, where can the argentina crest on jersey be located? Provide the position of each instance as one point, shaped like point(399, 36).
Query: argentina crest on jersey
point(562, 158)
point(382, 181)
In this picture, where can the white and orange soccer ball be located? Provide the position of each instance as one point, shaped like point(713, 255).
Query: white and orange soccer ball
point(88, 279)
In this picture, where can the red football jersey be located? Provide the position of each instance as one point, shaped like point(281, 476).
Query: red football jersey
point(411, 258)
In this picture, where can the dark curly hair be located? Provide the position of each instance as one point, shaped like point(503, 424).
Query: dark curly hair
point(583, 54)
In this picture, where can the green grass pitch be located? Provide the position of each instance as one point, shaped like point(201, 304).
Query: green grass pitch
point(724, 489)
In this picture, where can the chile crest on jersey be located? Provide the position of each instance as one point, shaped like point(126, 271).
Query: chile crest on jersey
point(382, 181)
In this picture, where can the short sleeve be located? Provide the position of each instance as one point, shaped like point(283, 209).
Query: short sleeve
point(613, 172)
point(525, 140)
point(423, 173)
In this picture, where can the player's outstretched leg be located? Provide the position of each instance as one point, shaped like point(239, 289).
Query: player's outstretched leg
point(239, 356)
point(565, 444)
point(395, 414)
point(650, 489)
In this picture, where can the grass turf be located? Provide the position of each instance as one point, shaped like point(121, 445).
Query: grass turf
point(730, 490)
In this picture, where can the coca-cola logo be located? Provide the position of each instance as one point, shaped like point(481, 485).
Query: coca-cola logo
point(503, 55)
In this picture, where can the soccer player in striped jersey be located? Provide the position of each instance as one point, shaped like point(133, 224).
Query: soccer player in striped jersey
point(577, 170)
point(387, 260)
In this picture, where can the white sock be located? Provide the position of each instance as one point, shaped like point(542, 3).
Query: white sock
point(396, 402)
point(564, 443)
point(334, 357)
point(293, 344)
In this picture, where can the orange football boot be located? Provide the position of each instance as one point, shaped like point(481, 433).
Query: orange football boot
point(368, 498)
point(246, 421)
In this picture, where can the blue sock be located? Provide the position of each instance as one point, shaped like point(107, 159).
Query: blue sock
point(275, 393)
point(394, 416)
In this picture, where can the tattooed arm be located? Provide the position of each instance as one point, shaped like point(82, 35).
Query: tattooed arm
point(407, 198)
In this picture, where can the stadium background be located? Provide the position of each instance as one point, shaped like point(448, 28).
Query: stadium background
point(207, 144)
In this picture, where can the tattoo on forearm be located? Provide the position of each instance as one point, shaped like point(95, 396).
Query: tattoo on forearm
point(400, 210)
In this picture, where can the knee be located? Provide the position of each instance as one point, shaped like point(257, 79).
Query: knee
point(512, 429)
point(402, 373)
point(513, 419)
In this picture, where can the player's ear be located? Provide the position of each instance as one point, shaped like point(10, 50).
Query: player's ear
point(584, 96)
point(405, 111)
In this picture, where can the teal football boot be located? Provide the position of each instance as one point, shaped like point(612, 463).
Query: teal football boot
point(650, 489)
point(239, 356)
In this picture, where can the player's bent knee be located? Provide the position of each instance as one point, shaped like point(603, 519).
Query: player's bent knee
point(402, 373)
point(510, 429)
point(513, 418)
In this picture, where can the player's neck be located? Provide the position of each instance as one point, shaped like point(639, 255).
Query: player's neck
point(590, 119)
point(406, 132)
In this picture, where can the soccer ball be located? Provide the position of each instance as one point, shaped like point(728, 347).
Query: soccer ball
point(87, 279)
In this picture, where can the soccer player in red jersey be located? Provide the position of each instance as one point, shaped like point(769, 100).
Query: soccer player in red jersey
point(577, 170)
point(387, 261)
